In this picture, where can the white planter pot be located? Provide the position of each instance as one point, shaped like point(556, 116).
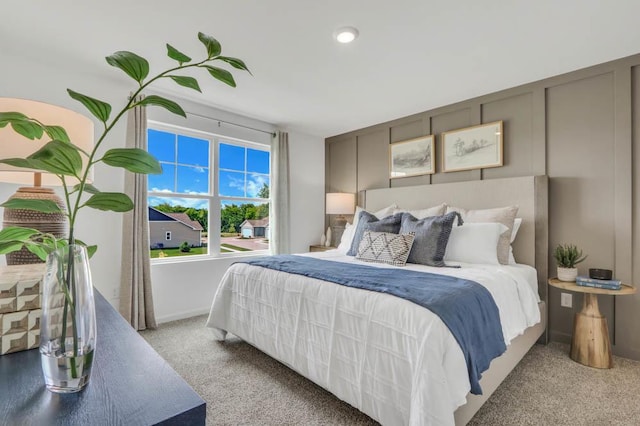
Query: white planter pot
point(567, 274)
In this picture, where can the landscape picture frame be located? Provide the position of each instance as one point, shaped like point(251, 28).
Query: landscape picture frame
point(475, 147)
point(412, 157)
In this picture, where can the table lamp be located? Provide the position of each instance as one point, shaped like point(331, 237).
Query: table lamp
point(340, 203)
point(13, 145)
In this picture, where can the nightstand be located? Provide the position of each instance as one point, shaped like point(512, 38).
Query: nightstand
point(320, 248)
point(590, 343)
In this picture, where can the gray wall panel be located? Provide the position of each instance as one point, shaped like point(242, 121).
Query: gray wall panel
point(628, 307)
point(582, 130)
point(580, 164)
point(516, 113)
point(343, 166)
point(373, 150)
point(409, 130)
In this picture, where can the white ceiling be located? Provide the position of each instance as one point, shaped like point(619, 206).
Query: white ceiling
point(411, 56)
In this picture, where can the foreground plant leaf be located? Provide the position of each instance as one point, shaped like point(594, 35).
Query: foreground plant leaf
point(135, 66)
point(101, 110)
point(212, 45)
point(17, 233)
point(110, 201)
point(220, 74)
point(165, 103)
point(59, 158)
point(189, 82)
point(175, 54)
point(45, 206)
point(133, 159)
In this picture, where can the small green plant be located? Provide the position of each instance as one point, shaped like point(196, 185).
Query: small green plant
point(185, 247)
point(568, 255)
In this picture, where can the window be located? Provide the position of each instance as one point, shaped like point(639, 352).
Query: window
point(212, 197)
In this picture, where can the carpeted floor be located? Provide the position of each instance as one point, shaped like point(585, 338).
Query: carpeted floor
point(241, 385)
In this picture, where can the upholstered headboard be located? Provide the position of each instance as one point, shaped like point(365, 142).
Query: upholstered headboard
point(529, 193)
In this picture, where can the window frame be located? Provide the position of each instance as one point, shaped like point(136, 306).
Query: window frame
point(167, 235)
point(213, 198)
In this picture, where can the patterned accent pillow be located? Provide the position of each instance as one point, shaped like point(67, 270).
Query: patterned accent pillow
point(384, 247)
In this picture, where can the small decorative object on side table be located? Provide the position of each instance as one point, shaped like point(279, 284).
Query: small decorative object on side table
point(567, 257)
point(320, 248)
point(590, 343)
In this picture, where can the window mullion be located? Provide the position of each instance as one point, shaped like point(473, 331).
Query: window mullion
point(215, 216)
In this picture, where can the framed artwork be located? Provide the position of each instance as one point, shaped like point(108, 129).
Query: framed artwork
point(412, 157)
point(477, 147)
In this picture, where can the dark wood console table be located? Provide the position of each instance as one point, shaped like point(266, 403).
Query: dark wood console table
point(130, 384)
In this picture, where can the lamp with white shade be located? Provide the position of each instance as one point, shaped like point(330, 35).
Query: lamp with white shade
point(340, 204)
point(12, 145)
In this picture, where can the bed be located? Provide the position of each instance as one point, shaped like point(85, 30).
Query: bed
point(388, 357)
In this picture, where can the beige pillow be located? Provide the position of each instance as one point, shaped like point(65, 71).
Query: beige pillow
point(503, 215)
point(423, 213)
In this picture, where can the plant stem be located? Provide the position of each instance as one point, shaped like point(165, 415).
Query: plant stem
point(130, 104)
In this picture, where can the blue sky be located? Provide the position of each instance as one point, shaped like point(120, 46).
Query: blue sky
point(185, 168)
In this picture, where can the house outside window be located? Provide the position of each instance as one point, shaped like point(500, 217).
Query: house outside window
point(212, 197)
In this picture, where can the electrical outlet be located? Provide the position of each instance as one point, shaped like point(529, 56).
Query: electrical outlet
point(566, 300)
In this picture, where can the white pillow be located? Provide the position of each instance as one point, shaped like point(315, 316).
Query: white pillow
point(422, 213)
point(474, 243)
point(347, 237)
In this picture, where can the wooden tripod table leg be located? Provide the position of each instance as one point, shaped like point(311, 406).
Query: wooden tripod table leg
point(590, 344)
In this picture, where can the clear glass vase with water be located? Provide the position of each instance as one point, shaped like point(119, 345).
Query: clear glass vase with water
point(68, 322)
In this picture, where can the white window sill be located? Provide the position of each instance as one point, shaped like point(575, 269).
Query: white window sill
point(207, 257)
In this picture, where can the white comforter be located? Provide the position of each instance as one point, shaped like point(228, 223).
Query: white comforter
point(390, 358)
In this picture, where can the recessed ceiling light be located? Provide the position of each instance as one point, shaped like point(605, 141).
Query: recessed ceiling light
point(346, 34)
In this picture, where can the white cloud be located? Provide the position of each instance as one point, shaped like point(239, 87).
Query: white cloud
point(255, 183)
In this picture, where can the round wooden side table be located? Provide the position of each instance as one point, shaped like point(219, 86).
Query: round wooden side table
point(590, 344)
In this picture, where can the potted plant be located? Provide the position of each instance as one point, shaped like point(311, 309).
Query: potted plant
point(567, 257)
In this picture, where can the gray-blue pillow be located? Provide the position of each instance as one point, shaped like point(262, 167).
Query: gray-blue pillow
point(431, 237)
point(368, 222)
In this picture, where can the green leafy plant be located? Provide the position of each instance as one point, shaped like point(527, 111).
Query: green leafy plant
point(568, 255)
point(65, 160)
point(185, 247)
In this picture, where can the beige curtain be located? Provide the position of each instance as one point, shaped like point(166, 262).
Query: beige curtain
point(136, 301)
point(279, 215)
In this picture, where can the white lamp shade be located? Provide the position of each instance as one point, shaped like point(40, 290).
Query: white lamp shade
point(13, 145)
point(340, 203)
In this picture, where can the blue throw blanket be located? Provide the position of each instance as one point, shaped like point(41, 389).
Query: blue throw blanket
point(466, 307)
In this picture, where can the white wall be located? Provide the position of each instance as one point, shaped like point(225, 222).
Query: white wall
point(184, 288)
point(306, 156)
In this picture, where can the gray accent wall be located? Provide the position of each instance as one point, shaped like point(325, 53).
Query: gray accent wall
point(581, 130)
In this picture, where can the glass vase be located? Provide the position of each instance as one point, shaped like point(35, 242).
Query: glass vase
point(68, 322)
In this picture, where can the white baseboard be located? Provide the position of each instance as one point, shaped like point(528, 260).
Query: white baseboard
point(182, 315)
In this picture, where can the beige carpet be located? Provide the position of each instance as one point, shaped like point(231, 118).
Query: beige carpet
point(241, 385)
